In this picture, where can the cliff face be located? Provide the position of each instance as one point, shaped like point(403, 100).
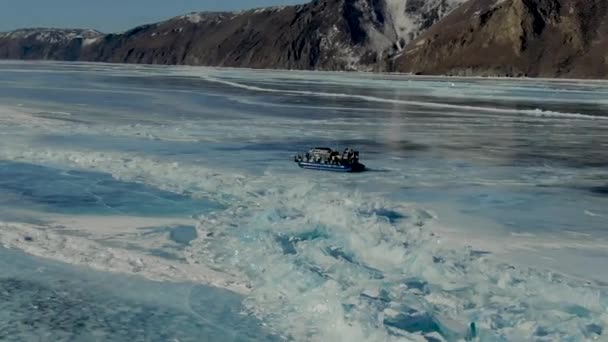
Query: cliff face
point(320, 35)
point(548, 38)
point(536, 38)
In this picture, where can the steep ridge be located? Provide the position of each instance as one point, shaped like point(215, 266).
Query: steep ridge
point(536, 38)
point(321, 35)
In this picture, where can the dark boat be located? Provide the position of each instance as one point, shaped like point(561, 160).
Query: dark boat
point(326, 159)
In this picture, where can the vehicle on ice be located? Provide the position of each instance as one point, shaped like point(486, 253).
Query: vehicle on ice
point(326, 159)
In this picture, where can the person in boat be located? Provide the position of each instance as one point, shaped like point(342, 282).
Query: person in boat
point(333, 157)
point(348, 155)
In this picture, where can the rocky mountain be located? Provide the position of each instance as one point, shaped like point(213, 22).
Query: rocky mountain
point(535, 38)
point(41, 43)
point(552, 38)
point(323, 34)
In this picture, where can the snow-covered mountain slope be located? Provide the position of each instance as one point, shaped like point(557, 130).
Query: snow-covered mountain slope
point(46, 43)
point(411, 17)
point(50, 35)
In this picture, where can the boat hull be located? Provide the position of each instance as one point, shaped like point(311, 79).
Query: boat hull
point(330, 167)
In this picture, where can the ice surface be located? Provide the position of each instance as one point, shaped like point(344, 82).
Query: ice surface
point(44, 241)
point(43, 300)
point(88, 192)
point(434, 105)
point(467, 215)
point(336, 259)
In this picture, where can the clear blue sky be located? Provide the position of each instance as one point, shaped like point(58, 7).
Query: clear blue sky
point(110, 15)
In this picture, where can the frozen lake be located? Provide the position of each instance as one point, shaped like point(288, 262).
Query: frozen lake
point(162, 203)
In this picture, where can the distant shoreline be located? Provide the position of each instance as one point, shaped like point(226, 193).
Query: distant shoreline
point(337, 72)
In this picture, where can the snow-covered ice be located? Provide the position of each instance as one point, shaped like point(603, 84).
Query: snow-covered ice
point(486, 202)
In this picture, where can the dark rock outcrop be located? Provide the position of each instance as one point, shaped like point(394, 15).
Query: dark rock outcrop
point(535, 38)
